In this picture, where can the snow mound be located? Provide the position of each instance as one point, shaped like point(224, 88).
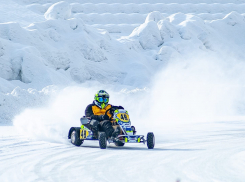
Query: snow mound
point(167, 30)
point(177, 18)
point(154, 16)
point(234, 18)
point(13, 103)
point(47, 51)
point(167, 53)
point(63, 51)
point(186, 32)
point(60, 10)
point(191, 27)
point(10, 66)
point(148, 35)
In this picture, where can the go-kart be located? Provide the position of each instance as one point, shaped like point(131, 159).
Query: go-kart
point(120, 118)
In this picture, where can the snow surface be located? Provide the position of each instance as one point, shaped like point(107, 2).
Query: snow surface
point(206, 152)
point(176, 66)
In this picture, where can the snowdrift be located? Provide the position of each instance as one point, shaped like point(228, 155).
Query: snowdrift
point(60, 10)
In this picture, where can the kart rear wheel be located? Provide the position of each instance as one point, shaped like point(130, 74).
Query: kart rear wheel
point(75, 138)
point(102, 140)
point(150, 140)
point(119, 144)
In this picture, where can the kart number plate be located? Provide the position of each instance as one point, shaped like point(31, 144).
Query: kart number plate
point(123, 117)
point(84, 134)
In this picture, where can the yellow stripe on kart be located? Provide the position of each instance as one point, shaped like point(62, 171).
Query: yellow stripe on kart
point(126, 139)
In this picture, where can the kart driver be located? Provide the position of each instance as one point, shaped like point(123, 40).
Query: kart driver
point(97, 113)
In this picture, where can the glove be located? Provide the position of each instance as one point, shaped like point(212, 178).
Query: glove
point(116, 107)
point(104, 117)
point(120, 107)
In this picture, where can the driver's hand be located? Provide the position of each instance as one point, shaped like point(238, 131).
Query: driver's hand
point(105, 117)
point(117, 107)
point(120, 107)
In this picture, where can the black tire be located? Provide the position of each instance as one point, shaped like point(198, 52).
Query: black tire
point(119, 144)
point(75, 138)
point(102, 140)
point(150, 140)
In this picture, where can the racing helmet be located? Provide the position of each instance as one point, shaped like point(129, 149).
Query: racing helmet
point(101, 99)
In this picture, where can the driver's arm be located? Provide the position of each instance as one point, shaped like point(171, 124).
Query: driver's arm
point(89, 113)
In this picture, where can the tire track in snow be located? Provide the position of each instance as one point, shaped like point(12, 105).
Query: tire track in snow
point(203, 154)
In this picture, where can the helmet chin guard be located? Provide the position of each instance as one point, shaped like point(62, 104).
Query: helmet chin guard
point(100, 105)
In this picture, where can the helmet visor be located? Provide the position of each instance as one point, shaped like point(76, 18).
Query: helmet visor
point(103, 99)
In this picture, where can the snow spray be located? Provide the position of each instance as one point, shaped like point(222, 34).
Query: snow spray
point(195, 89)
point(53, 121)
point(186, 91)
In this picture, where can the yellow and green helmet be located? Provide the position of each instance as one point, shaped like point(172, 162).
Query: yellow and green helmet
point(101, 99)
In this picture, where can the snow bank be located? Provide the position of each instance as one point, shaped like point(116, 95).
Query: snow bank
point(60, 51)
point(177, 29)
point(167, 53)
point(13, 103)
point(148, 35)
point(202, 78)
point(67, 51)
point(60, 10)
point(167, 30)
point(154, 16)
point(234, 18)
point(64, 52)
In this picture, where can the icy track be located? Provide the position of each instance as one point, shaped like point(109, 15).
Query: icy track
point(201, 152)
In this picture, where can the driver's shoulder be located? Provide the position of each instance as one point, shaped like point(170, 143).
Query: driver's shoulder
point(90, 106)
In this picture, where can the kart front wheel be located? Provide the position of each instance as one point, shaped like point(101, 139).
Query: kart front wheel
point(118, 143)
point(75, 138)
point(150, 140)
point(102, 140)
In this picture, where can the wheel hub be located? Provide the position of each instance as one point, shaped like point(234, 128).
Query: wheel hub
point(73, 137)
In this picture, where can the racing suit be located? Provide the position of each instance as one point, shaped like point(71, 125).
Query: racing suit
point(98, 114)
